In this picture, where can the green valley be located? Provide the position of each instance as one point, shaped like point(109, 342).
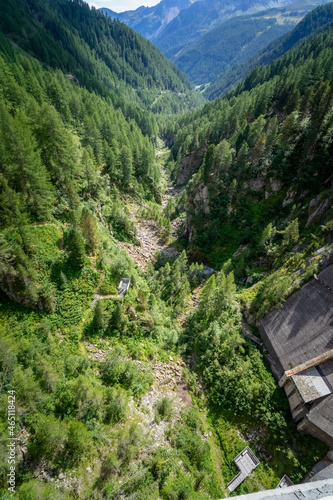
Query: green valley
point(114, 172)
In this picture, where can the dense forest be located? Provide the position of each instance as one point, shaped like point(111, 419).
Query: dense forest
point(151, 394)
point(263, 165)
point(103, 55)
point(234, 40)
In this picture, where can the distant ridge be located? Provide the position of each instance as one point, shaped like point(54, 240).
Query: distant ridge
point(214, 40)
point(151, 21)
point(314, 20)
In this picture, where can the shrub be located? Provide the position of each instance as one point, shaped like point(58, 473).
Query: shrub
point(49, 438)
point(37, 490)
point(187, 438)
point(163, 410)
point(127, 374)
point(116, 406)
point(89, 399)
point(179, 489)
point(110, 466)
point(78, 441)
point(272, 293)
point(128, 444)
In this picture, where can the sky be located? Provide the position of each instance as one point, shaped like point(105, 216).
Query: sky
point(121, 5)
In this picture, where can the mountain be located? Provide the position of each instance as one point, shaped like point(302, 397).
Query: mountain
point(151, 21)
point(262, 154)
point(83, 116)
point(103, 55)
point(202, 16)
point(232, 76)
point(233, 41)
point(173, 24)
point(73, 168)
point(256, 168)
point(126, 369)
point(209, 40)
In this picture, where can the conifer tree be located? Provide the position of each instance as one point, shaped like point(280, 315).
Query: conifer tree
point(126, 166)
point(58, 151)
point(98, 322)
point(76, 249)
point(89, 230)
point(117, 317)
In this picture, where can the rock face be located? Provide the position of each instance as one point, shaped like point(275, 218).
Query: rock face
point(319, 207)
point(275, 185)
point(201, 199)
point(289, 197)
point(150, 21)
point(255, 184)
point(216, 201)
point(189, 165)
point(198, 202)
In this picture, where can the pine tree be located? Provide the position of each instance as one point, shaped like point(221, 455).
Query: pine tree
point(127, 167)
point(98, 322)
point(117, 317)
point(89, 230)
point(76, 249)
point(291, 233)
point(89, 172)
point(58, 151)
point(209, 162)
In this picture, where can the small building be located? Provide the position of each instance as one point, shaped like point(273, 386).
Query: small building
point(246, 462)
point(123, 286)
point(299, 338)
point(285, 482)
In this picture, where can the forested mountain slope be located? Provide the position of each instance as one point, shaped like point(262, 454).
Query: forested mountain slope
point(70, 163)
point(230, 78)
point(236, 40)
point(216, 42)
point(62, 147)
point(202, 16)
point(81, 129)
point(172, 24)
point(268, 161)
point(153, 393)
point(103, 55)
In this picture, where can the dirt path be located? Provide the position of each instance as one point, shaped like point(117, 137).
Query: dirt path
point(101, 281)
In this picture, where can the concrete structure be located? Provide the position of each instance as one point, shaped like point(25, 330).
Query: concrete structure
point(299, 338)
point(285, 481)
point(318, 490)
point(246, 462)
point(123, 286)
point(322, 469)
